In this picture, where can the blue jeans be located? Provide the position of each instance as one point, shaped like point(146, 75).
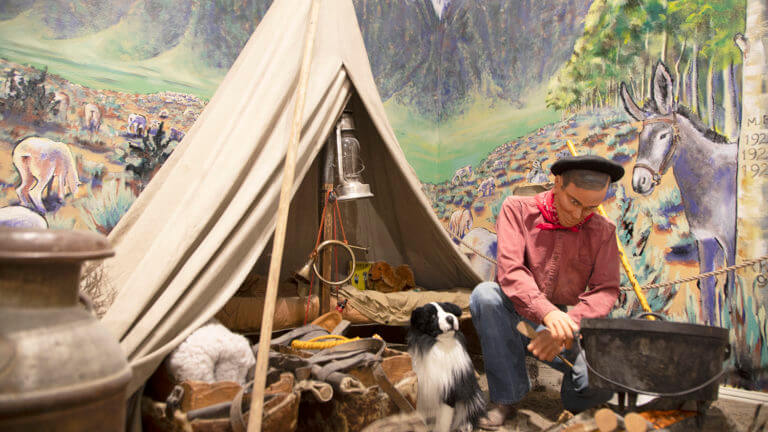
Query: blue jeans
point(504, 351)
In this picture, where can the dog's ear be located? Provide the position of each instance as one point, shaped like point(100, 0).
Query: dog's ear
point(418, 317)
point(451, 309)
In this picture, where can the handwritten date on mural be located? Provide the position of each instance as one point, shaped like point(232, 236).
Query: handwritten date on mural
point(755, 169)
point(759, 154)
point(757, 139)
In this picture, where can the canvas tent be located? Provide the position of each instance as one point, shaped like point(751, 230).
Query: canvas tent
point(190, 239)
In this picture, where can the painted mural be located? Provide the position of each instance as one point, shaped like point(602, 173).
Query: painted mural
point(94, 99)
point(483, 96)
point(656, 86)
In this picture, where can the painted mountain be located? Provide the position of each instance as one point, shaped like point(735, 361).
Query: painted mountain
point(138, 46)
point(459, 76)
point(436, 55)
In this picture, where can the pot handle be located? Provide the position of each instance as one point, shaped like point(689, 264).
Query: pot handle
point(653, 314)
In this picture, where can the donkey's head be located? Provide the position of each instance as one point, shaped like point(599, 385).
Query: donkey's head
point(659, 136)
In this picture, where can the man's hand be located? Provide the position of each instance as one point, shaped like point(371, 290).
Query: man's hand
point(544, 346)
point(561, 326)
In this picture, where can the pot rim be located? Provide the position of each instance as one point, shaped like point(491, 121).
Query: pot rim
point(657, 326)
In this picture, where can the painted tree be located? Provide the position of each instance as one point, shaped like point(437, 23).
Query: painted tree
point(622, 38)
point(727, 20)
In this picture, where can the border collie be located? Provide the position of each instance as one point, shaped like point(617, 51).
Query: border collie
point(449, 396)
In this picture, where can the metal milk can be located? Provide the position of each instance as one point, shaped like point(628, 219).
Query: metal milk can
point(60, 370)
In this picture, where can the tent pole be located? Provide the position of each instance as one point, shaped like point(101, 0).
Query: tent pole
point(260, 374)
point(325, 289)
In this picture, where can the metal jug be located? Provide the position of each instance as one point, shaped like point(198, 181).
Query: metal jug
point(60, 370)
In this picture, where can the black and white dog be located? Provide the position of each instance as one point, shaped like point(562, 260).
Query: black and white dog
point(449, 395)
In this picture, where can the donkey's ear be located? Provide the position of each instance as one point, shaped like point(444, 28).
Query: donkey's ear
point(661, 91)
point(630, 106)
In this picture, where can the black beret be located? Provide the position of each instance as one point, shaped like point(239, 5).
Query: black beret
point(589, 162)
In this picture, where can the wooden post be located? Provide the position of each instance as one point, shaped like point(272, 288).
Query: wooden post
point(325, 290)
point(289, 171)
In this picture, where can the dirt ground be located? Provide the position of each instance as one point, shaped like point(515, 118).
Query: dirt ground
point(542, 407)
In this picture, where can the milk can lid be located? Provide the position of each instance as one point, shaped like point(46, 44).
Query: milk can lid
point(20, 244)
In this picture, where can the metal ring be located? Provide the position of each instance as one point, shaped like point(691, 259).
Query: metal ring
point(351, 254)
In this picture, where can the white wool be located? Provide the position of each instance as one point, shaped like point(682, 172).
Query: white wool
point(212, 353)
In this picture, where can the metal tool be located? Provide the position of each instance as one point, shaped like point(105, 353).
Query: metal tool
point(304, 272)
point(528, 331)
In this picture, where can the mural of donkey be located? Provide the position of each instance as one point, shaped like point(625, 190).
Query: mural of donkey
point(704, 166)
point(38, 161)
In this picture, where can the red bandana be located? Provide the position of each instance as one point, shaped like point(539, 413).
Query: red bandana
point(548, 211)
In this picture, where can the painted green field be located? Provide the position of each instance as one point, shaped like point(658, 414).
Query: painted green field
point(87, 61)
point(435, 153)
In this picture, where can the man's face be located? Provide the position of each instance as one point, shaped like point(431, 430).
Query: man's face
point(574, 204)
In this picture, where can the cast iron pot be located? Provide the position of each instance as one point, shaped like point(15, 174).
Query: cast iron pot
point(659, 358)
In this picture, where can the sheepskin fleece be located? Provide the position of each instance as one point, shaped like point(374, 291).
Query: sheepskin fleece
point(212, 353)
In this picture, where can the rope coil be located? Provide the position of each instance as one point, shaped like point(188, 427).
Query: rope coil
point(318, 343)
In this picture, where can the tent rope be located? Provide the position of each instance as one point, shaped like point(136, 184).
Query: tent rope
point(646, 287)
point(739, 266)
point(336, 218)
point(314, 251)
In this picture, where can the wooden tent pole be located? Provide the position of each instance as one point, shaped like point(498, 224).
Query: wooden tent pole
point(289, 170)
point(325, 290)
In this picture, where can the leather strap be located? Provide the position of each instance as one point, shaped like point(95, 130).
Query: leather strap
point(309, 331)
point(391, 390)
point(236, 419)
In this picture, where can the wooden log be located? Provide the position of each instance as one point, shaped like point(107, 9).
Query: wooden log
point(606, 420)
point(634, 422)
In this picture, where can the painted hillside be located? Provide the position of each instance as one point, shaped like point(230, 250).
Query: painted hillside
point(114, 157)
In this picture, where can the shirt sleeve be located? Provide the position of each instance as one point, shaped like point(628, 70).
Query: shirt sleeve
point(603, 286)
point(515, 279)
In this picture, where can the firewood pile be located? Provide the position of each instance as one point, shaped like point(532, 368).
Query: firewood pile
point(606, 420)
